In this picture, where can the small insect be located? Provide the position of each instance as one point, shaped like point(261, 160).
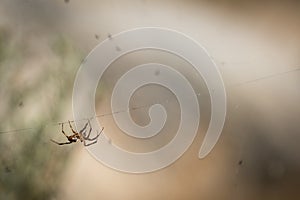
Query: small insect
point(82, 135)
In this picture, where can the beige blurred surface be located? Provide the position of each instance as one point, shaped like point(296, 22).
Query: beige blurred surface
point(256, 46)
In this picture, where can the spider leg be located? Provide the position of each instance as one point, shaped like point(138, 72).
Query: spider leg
point(90, 130)
point(72, 128)
point(60, 143)
point(88, 144)
point(62, 129)
point(84, 128)
point(94, 140)
point(91, 139)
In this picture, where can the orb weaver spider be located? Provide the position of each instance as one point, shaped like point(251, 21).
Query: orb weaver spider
point(82, 135)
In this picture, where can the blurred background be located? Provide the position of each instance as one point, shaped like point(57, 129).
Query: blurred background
point(256, 45)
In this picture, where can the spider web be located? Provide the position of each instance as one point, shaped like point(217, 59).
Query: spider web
point(147, 105)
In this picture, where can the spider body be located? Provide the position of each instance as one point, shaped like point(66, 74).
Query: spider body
point(83, 135)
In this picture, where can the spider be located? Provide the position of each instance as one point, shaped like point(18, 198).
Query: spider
point(81, 135)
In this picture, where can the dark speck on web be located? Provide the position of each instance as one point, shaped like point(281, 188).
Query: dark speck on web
point(118, 48)
point(7, 169)
point(109, 36)
point(20, 104)
point(97, 36)
point(83, 61)
point(67, 1)
point(157, 72)
point(240, 162)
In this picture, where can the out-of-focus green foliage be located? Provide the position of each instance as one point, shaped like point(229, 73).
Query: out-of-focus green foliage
point(3, 44)
point(35, 91)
